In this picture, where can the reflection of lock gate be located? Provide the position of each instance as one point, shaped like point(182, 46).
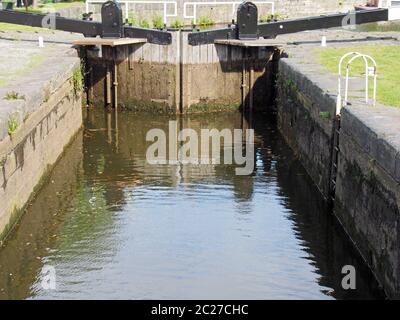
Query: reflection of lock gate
point(247, 26)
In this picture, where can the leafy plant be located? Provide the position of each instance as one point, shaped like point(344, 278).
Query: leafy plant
point(325, 114)
point(158, 22)
point(3, 161)
point(177, 24)
point(271, 17)
point(205, 21)
point(12, 125)
point(386, 56)
point(77, 80)
point(144, 23)
point(12, 95)
point(133, 19)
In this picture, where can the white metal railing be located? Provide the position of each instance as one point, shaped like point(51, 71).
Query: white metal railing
point(128, 3)
point(370, 71)
point(195, 4)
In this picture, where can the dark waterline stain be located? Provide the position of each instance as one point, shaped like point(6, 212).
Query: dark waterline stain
point(114, 226)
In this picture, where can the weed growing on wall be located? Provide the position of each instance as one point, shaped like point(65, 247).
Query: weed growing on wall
point(144, 23)
point(12, 125)
point(272, 17)
point(158, 22)
point(177, 24)
point(205, 21)
point(133, 19)
point(77, 80)
point(12, 95)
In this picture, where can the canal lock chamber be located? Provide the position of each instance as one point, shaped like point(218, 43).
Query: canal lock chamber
point(200, 230)
point(184, 79)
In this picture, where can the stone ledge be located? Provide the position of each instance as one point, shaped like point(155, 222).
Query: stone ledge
point(377, 131)
point(36, 85)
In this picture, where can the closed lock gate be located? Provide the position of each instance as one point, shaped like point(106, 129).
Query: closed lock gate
point(246, 26)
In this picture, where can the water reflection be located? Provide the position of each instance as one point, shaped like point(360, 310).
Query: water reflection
point(114, 226)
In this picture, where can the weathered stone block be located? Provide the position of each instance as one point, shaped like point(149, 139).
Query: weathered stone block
point(367, 197)
point(48, 119)
point(305, 118)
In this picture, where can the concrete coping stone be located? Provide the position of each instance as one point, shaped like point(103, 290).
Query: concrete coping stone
point(36, 85)
point(377, 131)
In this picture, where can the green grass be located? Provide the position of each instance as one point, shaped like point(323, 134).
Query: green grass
point(42, 8)
point(77, 80)
point(16, 27)
point(30, 10)
point(61, 5)
point(387, 59)
point(46, 7)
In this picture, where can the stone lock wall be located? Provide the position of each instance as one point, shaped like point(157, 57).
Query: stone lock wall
point(305, 119)
point(368, 188)
point(48, 118)
point(367, 196)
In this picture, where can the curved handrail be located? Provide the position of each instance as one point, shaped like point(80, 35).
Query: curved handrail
point(368, 69)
